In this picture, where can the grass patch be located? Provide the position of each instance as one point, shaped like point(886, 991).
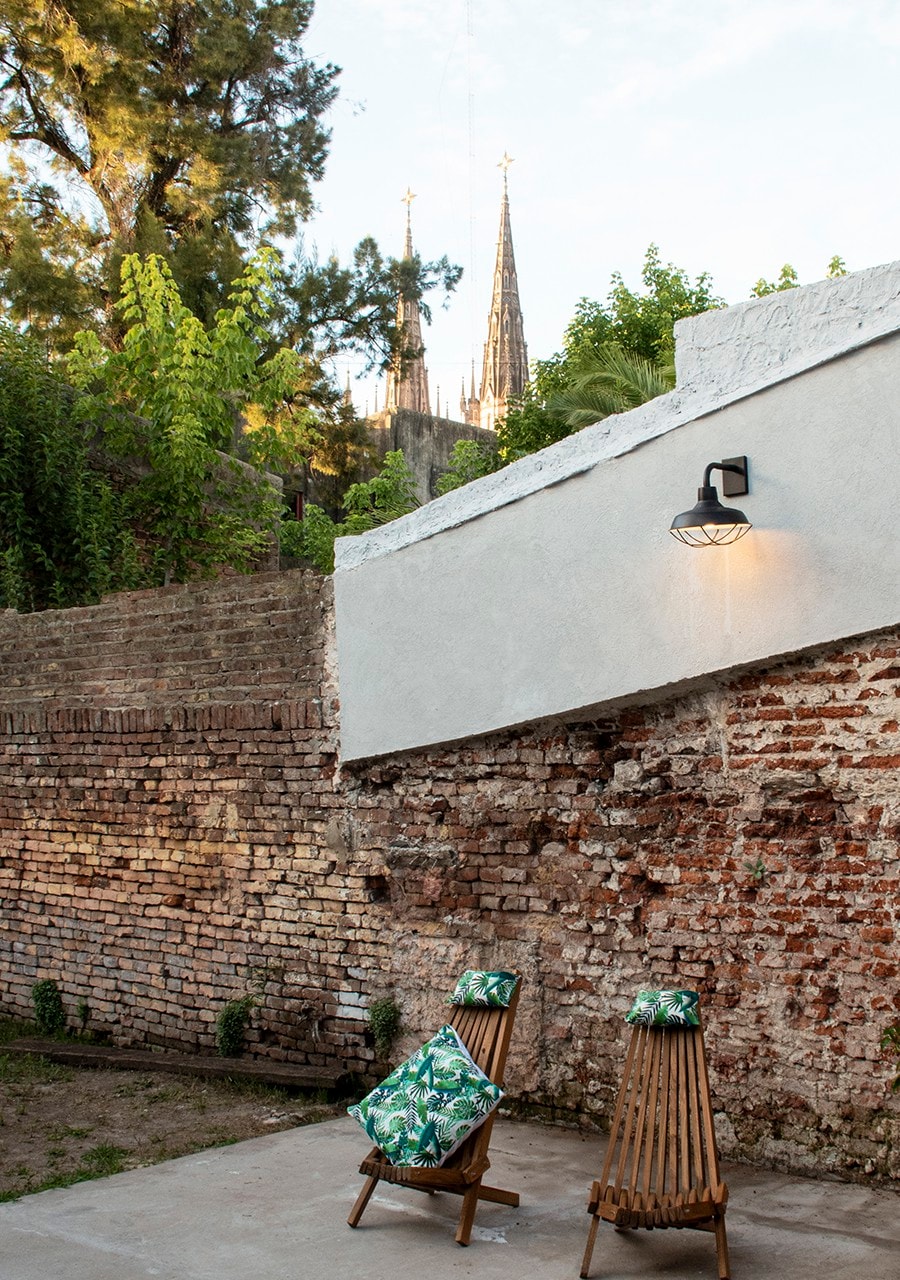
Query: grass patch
point(61, 1125)
point(59, 1131)
point(15, 1029)
point(100, 1162)
point(15, 1070)
point(104, 1160)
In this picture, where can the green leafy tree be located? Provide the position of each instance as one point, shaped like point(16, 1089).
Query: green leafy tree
point(789, 279)
point(640, 324)
point(643, 323)
point(469, 460)
point(371, 503)
point(192, 132)
point(386, 497)
point(64, 539)
point(159, 125)
point(529, 425)
point(609, 380)
point(172, 400)
point(326, 308)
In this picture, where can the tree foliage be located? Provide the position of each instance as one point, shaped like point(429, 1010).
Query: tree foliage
point(63, 539)
point(640, 324)
point(172, 400)
point(326, 308)
point(788, 278)
point(192, 132)
point(371, 503)
point(161, 125)
point(469, 460)
point(609, 380)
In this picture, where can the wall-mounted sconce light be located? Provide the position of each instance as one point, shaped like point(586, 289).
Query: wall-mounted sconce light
point(709, 524)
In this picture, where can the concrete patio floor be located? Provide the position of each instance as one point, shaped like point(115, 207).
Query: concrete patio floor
point(275, 1208)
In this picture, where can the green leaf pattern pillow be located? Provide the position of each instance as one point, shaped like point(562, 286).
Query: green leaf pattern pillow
point(429, 1105)
point(486, 990)
point(664, 1009)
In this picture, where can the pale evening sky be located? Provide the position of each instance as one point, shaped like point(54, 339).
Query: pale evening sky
point(736, 135)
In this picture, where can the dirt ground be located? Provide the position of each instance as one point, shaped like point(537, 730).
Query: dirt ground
point(60, 1125)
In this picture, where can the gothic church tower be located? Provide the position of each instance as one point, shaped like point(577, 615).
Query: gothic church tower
point(505, 369)
point(408, 388)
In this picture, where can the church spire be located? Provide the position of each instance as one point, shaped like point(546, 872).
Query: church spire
point(505, 369)
point(408, 388)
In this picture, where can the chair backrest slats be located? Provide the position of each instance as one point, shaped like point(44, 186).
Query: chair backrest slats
point(710, 1147)
point(672, 1111)
point(696, 1141)
point(666, 1122)
point(477, 1028)
point(486, 1033)
point(662, 1138)
point(634, 1090)
point(644, 1116)
point(684, 1154)
point(651, 1124)
point(614, 1128)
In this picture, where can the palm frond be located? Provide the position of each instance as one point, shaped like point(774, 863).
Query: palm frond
point(610, 380)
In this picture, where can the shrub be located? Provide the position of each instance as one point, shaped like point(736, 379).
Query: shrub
point(384, 1021)
point(49, 1013)
point(231, 1025)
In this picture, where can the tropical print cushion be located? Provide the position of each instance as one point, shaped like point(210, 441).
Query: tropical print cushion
point(664, 1009)
point(428, 1105)
point(485, 990)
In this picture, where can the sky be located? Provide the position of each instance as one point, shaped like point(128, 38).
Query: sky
point(736, 136)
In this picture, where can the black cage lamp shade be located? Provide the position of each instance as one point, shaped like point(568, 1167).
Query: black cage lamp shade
point(709, 524)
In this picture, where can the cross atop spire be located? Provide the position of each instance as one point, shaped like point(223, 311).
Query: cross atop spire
point(504, 165)
point(407, 200)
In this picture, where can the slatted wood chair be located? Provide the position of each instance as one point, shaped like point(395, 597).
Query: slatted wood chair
point(662, 1167)
point(486, 1034)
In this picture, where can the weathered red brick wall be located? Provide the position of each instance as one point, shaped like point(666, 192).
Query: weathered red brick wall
point(168, 766)
point(608, 856)
point(174, 829)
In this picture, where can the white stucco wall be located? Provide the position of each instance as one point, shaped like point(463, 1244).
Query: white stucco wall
point(555, 586)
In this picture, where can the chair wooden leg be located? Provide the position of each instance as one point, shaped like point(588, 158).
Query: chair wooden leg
point(722, 1250)
point(467, 1213)
point(496, 1196)
point(362, 1200)
point(592, 1236)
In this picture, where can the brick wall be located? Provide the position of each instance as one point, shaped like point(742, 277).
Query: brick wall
point(174, 828)
point(168, 762)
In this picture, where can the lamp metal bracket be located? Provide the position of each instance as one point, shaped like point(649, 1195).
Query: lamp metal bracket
point(735, 483)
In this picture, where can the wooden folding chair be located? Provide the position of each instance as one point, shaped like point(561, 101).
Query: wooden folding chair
point(486, 1034)
point(662, 1166)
